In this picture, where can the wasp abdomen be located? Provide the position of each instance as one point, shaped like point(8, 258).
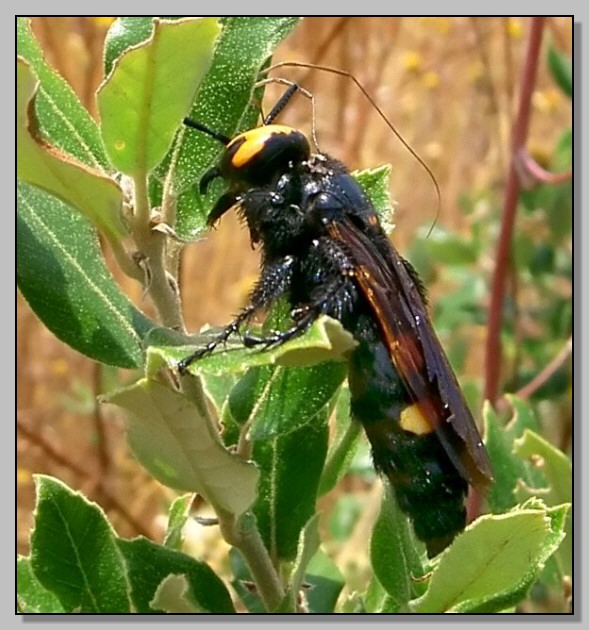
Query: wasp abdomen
point(405, 447)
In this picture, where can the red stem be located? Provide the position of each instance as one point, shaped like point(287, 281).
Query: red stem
point(531, 170)
point(540, 379)
point(512, 187)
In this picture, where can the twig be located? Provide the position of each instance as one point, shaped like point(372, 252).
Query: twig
point(62, 460)
point(152, 243)
point(490, 87)
point(359, 133)
point(243, 534)
point(508, 64)
point(512, 187)
point(101, 442)
point(529, 169)
point(542, 377)
point(327, 42)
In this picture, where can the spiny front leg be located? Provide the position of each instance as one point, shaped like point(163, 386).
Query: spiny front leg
point(274, 280)
point(229, 330)
point(334, 293)
point(277, 338)
point(334, 299)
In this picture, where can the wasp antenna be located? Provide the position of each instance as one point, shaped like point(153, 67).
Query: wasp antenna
point(194, 124)
point(349, 75)
point(285, 98)
point(281, 104)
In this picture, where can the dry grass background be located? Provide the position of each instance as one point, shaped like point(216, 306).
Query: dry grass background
point(449, 85)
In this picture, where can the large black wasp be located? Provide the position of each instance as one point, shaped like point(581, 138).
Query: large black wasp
point(323, 248)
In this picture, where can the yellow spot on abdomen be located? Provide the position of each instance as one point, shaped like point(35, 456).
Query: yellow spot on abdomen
point(414, 421)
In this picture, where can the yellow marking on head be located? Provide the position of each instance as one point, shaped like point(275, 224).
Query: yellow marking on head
point(414, 421)
point(253, 142)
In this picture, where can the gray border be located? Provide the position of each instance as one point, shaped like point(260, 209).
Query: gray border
point(579, 141)
point(312, 621)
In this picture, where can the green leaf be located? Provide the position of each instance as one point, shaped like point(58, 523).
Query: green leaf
point(181, 449)
point(562, 70)
point(563, 153)
point(326, 340)
point(375, 182)
point(508, 468)
point(32, 596)
point(140, 108)
point(377, 600)
point(277, 400)
point(342, 445)
point(173, 596)
point(74, 553)
point(224, 104)
point(449, 248)
point(344, 515)
point(325, 583)
point(62, 275)
point(554, 465)
point(149, 564)
point(177, 517)
point(492, 565)
point(94, 194)
point(290, 471)
point(558, 472)
point(124, 33)
point(217, 388)
point(393, 552)
point(308, 545)
point(61, 117)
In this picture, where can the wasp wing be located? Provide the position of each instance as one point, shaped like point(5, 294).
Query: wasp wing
point(394, 296)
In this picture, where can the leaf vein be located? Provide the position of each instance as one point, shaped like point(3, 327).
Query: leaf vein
point(118, 315)
point(72, 130)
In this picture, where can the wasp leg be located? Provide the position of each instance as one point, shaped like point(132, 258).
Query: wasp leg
point(229, 330)
point(273, 282)
point(335, 300)
point(279, 337)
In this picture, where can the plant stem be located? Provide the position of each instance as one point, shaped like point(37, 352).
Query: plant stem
point(124, 261)
point(152, 243)
point(512, 187)
point(540, 175)
point(169, 201)
point(243, 534)
point(541, 378)
point(240, 532)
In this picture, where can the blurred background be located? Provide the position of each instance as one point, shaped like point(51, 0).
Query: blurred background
point(449, 86)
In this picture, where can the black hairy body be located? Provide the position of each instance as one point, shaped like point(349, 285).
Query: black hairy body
point(323, 248)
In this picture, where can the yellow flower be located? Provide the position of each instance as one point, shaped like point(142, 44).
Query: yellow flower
point(103, 21)
point(546, 101)
point(514, 28)
point(442, 24)
point(412, 60)
point(23, 476)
